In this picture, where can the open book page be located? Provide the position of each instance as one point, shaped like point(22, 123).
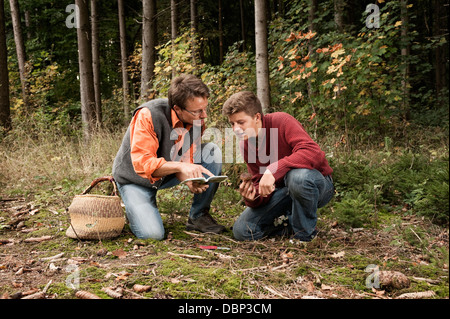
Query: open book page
point(203, 180)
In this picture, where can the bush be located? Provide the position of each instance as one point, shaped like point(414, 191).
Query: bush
point(374, 180)
point(353, 210)
point(431, 197)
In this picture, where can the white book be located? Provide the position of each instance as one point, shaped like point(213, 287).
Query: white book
point(203, 180)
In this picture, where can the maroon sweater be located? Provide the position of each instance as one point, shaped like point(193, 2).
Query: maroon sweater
point(282, 145)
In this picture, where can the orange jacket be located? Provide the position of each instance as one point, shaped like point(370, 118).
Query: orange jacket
point(144, 144)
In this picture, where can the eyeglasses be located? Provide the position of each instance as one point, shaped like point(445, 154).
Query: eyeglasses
point(196, 113)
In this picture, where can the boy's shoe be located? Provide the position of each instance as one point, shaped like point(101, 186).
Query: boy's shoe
point(205, 224)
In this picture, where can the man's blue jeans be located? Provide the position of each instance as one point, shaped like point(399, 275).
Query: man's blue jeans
point(305, 191)
point(140, 202)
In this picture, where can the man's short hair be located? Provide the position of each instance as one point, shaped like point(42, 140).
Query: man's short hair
point(244, 101)
point(186, 87)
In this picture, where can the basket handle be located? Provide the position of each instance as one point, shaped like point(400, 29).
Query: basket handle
point(99, 180)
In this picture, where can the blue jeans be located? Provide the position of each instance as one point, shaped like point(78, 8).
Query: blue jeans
point(140, 202)
point(305, 191)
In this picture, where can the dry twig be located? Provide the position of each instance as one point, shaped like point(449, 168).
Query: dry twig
point(37, 239)
point(186, 255)
point(37, 295)
point(417, 295)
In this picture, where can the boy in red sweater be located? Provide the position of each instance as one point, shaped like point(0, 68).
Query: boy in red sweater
point(290, 176)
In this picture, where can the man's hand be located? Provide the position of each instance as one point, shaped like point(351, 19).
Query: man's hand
point(184, 171)
point(197, 188)
point(266, 184)
point(189, 170)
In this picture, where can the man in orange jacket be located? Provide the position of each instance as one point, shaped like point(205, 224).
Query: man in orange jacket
point(162, 146)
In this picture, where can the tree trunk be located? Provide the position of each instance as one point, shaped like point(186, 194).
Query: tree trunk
point(281, 9)
point(148, 47)
point(312, 15)
point(194, 33)
point(220, 33)
point(123, 55)
point(244, 38)
point(312, 28)
point(339, 15)
point(339, 22)
point(173, 29)
point(96, 62)
point(5, 115)
point(20, 48)
point(262, 64)
point(28, 24)
point(439, 28)
point(87, 93)
point(405, 49)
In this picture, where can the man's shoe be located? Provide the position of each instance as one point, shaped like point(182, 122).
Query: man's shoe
point(307, 239)
point(205, 224)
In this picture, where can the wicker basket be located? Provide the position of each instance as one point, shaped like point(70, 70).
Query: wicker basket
point(96, 216)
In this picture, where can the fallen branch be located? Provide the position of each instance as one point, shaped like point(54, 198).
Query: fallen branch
point(186, 256)
point(16, 221)
point(430, 281)
point(47, 286)
point(28, 230)
point(282, 266)
point(311, 297)
point(37, 295)
point(267, 268)
point(192, 234)
point(52, 257)
point(417, 295)
point(28, 292)
point(37, 239)
point(11, 199)
point(251, 269)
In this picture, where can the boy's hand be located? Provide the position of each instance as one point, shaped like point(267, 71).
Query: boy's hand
point(247, 190)
point(266, 184)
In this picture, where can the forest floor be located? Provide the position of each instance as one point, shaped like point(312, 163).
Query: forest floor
point(37, 259)
point(39, 176)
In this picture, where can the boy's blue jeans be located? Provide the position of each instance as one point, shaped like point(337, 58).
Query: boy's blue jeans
point(305, 191)
point(140, 202)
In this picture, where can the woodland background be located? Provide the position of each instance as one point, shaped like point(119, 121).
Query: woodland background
point(375, 98)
